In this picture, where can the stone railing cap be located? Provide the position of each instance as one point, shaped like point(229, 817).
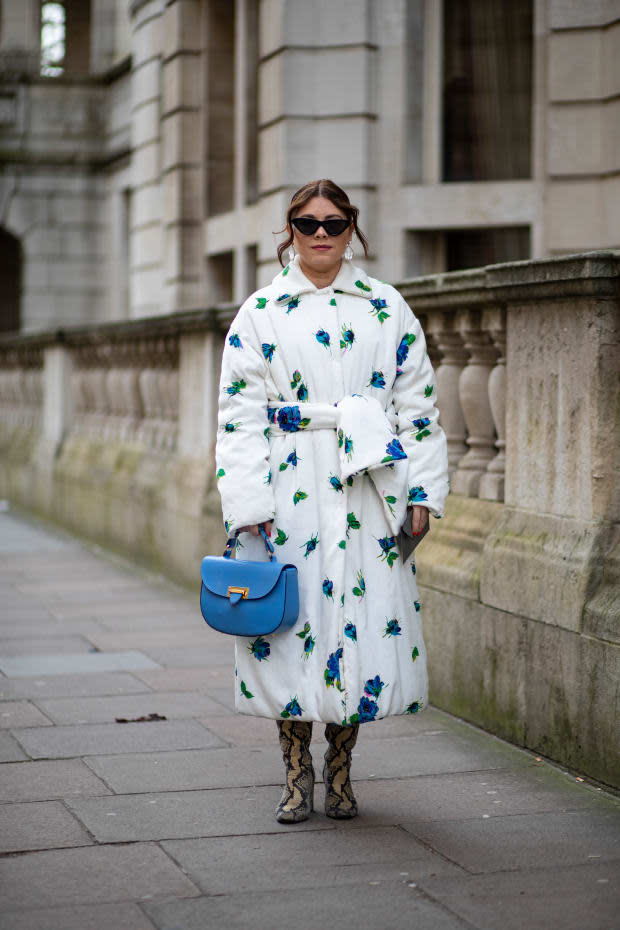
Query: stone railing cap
point(584, 274)
point(173, 324)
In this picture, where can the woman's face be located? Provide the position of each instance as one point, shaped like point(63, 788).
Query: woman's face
point(320, 252)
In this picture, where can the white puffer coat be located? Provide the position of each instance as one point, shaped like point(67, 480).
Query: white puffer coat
point(327, 425)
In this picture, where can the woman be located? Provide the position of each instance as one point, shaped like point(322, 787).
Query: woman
point(328, 437)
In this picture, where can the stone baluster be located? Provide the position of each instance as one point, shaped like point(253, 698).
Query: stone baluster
point(28, 395)
point(150, 397)
point(99, 401)
point(170, 392)
point(132, 400)
point(116, 400)
point(474, 397)
point(441, 328)
point(492, 482)
point(83, 392)
point(6, 394)
point(34, 394)
point(79, 396)
point(15, 394)
point(171, 401)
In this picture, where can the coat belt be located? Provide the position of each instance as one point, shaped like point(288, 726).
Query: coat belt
point(367, 441)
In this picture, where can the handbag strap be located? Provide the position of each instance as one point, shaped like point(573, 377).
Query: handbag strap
point(232, 542)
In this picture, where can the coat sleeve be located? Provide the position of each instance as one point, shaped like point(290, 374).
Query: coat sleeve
point(415, 396)
point(242, 445)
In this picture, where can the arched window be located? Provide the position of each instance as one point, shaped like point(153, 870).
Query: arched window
point(10, 281)
point(53, 39)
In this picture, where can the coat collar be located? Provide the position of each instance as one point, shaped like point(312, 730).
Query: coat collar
point(291, 282)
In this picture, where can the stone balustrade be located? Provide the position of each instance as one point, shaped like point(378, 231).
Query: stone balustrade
point(128, 391)
point(467, 348)
point(21, 387)
point(110, 430)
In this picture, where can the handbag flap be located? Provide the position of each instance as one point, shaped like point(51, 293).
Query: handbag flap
point(217, 573)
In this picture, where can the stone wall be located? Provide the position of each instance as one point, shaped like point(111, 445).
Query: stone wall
point(110, 431)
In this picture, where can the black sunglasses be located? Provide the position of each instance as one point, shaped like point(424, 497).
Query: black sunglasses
point(308, 226)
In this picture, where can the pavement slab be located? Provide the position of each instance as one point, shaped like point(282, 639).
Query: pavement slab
point(42, 588)
point(145, 607)
point(277, 862)
point(173, 637)
point(21, 714)
point(105, 709)
point(103, 738)
point(524, 841)
point(21, 535)
point(148, 622)
point(18, 646)
point(54, 778)
point(584, 897)
point(38, 627)
point(84, 917)
point(24, 614)
point(169, 824)
point(183, 814)
point(470, 796)
point(61, 877)
point(39, 825)
point(187, 679)
point(135, 773)
point(54, 686)
point(10, 750)
point(238, 730)
point(190, 656)
point(55, 664)
point(350, 907)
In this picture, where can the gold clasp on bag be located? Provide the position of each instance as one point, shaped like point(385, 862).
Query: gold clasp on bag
point(235, 589)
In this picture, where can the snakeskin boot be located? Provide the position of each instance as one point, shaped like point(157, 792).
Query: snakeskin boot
point(340, 801)
point(297, 801)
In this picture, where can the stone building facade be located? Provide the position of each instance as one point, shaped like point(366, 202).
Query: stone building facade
point(148, 168)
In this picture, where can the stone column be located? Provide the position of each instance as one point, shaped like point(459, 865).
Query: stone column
point(182, 154)
point(474, 396)
point(146, 241)
point(240, 265)
point(492, 482)
point(441, 326)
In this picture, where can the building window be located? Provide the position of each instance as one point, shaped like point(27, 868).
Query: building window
point(53, 39)
point(220, 277)
point(10, 281)
point(487, 90)
point(435, 251)
point(475, 248)
point(220, 106)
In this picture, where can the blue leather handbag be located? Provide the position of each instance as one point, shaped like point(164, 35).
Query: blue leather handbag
point(246, 598)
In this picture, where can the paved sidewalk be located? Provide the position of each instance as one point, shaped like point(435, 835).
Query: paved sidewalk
point(168, 823)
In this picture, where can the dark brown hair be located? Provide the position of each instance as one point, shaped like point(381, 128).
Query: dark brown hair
point(321, 188)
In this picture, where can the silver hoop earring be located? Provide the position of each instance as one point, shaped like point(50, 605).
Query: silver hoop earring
point(348, 252)
point(291, 254)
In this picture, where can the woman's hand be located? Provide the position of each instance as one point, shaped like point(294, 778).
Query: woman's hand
point(253, 528)
point(419, 516)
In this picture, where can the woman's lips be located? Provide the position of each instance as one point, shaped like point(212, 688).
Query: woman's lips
point(322, 248)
